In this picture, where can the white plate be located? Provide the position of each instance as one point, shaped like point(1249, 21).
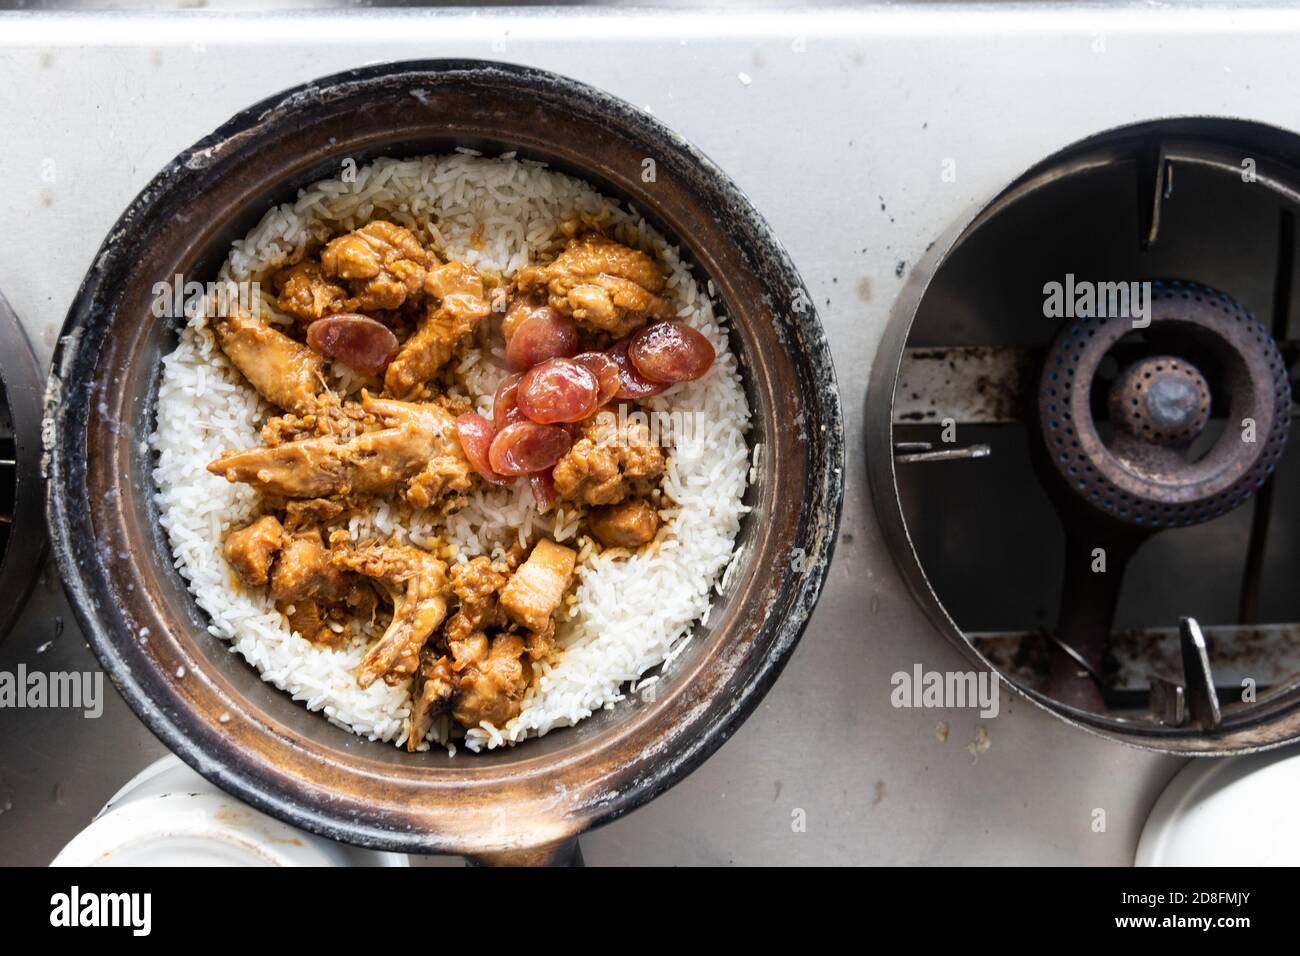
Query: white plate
point(168, 815)
point(1234, 811)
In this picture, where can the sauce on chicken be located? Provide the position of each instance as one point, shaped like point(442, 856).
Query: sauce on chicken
point(358, 360)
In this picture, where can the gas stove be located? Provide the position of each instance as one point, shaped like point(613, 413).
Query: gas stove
point(872, 138)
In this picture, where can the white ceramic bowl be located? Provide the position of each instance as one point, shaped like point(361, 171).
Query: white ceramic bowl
point(1234, 811)
point(170, 816)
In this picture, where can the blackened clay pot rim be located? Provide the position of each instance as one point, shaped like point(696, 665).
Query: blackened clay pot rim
point(248, 737)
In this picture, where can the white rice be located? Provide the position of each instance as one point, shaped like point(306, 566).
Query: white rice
point(630, 613)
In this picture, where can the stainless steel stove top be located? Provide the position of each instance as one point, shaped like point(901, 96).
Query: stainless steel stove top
point(839, 123)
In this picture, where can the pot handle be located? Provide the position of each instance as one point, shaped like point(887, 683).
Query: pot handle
point(559, 853)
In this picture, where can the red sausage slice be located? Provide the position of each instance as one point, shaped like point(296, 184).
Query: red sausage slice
point(632, 384)
point(542, 334)
point(476, 434)
point(670, 352)
point(526, 447)
point(358, 341)
point(505, 410)
point(543, 486)
point(556, 391)
point(606, 371)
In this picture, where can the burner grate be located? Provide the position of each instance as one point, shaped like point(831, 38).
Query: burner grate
point(1102, 538)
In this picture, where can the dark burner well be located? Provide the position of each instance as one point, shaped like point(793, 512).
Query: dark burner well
point(994, 542)
point(22, 525)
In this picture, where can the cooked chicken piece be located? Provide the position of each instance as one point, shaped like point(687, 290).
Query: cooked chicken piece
point(629, 524)
point(491, 679)
point(476, 583)
point(303, 512)
point(383, 264)
point(343, 420)
point(308, 621)
point(305, 571)
point(458, 288)
point(458, 307)
point(283, 371)
point(536, 589)
point(447, 471)
point(420, 443)
point(373, 463)
point(416, 583)
point(603, 284)
point(251, 550)
point(303, 292)
point(458, 627)
point(541, 644)
point(431, 694)
point(612, 457)
point(362, 602)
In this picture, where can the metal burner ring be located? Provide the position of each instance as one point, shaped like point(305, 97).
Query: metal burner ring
point(1161, 399)
point(1143, 476)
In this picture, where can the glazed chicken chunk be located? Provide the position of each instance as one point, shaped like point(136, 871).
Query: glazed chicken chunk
point(431, 694)
point(536, 589)
point(602, 284)
point(416, 584)
point(284, 372)
point(490, 664)
point(477, 584)
point(311, 622)
point(628, 524)
point(308, 589)
point(304, 292)
point(417, 452)
point(446, 471)
point(305, 571)
point(492, 678)
point(612, 456)
point(382, 263)
point(457, 305)
point(251, 550)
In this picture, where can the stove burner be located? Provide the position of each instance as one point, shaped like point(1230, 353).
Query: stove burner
point(1145, 474)
point(22, 525)
point(1161, 400)
point(1129, 427)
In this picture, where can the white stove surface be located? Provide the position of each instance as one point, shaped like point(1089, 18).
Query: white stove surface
point(838, 124)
